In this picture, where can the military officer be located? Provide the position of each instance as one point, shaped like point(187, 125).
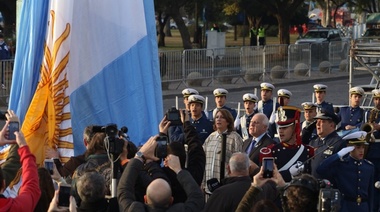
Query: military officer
point(290, 151)
point(328, 141)
point(309, 131)
point(186, 93)
point(320, 94)
point(351, 174)
point(372, 117)
point(352, 116)
point(283, 99)
point(220, 102)
point(244, 120)
point(265, 105)
point(202, 125)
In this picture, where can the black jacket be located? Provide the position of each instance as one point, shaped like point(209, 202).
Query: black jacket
point(254, 155)
point(227, 197)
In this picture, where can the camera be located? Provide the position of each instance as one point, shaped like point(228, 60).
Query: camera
point(116, 144)
point(329, 198)
point(174, 117)
point(161, 149)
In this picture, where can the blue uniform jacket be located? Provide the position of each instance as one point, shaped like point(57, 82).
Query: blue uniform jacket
point(351, 116)
point(268, 107)
point(203, 126)
point(330, 145)
point(327, 106)
point(353, 178)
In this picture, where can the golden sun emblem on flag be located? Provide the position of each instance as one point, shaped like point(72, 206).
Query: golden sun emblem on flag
point(43, 122)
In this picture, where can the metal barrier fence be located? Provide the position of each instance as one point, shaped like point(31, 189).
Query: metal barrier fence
point(6, 71)
point(228, 65)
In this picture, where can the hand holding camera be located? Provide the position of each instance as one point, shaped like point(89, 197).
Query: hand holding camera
point(164, 125)
point(172, 161)
point(7, 135)
point(148, 149)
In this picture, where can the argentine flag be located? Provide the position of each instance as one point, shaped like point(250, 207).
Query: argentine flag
point(99, 66)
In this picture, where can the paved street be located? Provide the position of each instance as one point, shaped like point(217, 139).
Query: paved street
point(302, 90)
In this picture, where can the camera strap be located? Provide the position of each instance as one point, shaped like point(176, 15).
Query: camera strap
point(293, 160)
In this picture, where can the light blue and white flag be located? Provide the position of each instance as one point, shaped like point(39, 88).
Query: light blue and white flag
point(100, 66)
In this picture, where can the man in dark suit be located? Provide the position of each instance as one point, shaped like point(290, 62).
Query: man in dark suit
point(258, 130)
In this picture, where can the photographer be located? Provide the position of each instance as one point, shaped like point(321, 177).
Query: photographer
point(193, 159)
point(300, 195)
point(158, 194)
point(29, 192)
point(198, 119)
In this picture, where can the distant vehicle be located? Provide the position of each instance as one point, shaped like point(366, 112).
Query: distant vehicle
point(320, 38)
point(173, 25)
point(371, 33)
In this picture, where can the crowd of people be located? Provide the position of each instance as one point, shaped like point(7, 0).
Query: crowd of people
point(213, 160)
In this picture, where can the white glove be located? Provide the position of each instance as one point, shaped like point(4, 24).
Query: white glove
point(345, 150)
point(296, 169)
point(237, 123)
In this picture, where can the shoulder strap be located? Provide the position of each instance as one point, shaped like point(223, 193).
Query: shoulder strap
point(294, 159)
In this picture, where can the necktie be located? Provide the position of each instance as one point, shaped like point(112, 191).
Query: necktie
point(251, 146)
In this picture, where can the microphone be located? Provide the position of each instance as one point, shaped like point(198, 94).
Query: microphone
point(377, 184)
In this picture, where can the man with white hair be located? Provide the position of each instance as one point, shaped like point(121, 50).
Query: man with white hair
point(233, 188)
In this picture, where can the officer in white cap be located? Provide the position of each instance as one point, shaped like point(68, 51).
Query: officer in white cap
point(244, 120)
point(351, 174)
point(320, 94)
point(220, 102)
point(283, 97)
point(198, 119)
point(352, 116)
point(372, 117)
point(265, 105)
point(186, 93)
point(308, 127)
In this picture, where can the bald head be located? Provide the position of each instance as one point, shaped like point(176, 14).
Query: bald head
point(159, 193)
point(239, 164)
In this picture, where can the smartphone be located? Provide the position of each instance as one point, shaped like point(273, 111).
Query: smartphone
point(268, 165)
point(13, 127)
point(64, 195)
point(49, 165)
point(161, 149)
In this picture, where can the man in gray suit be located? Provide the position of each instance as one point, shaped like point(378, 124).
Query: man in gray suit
point(258, 129)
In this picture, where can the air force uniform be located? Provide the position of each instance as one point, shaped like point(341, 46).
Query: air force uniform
point(353, 177)
point(243, 127)
point(350, 115)
point(221, 92)
point(267, 106)
point(327, 146)
point(373, 153)
point(309, 131)
point(203, 126)
point(323, 105)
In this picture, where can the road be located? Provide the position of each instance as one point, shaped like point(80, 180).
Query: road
point(337, 93)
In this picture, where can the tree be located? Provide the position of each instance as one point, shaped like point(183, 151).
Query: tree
point(171, 8)
point(283, 11)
